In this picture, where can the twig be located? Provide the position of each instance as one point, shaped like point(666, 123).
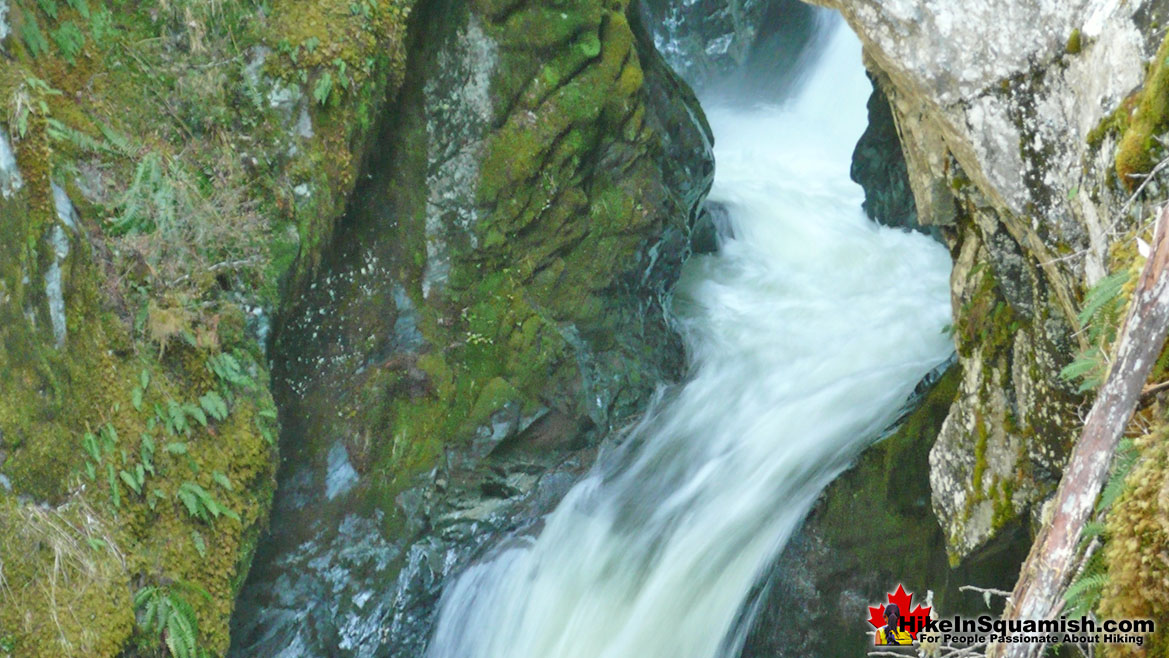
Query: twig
point(224, 265)
point(1154, 389)
point(986, 592)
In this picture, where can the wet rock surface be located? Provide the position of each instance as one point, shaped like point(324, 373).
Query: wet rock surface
point(491, 309)
point(879, 167)
point(724, 49)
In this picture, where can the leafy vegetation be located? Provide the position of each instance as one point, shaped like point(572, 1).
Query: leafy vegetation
point(165, 614)
point(1100, 316)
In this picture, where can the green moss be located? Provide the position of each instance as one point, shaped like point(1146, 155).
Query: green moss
point(1002, 498)
point(1135, 154)
point(66, 590)
point(982, 437)
point(1138, 531)
point(1075, 43)
point(985, 320)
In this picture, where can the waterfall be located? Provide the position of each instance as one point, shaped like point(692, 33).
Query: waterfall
point(806, 333)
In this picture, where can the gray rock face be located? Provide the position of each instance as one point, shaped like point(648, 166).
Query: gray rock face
point(995, 110)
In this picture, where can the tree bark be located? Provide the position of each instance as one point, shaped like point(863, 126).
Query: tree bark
point(1045, 573)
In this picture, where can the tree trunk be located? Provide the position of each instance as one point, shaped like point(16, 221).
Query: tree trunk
point(1045, 574)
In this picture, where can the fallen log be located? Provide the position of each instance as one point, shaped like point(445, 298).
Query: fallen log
point(1049, 566)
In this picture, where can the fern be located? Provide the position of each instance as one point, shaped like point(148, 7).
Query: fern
point(167, 615)
point(1099, 316)
point(1126, 458)
point(1084, 594)
point(30, 33)
point(1105, 293)
point(1092, 530)
point(228, 368)
point(117, 143)
point(214, 405)
point(60, 132)
point(79, 6)
point(202, 505)
point(101, 26)
point(323, 88)
point(69, 39)
point(49, 7)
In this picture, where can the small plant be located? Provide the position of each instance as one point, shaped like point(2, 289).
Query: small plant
point(69, 39)
point(323, 88)
point(165, 615)
point(29, 99)
point(1100, 318)
point(202, 505)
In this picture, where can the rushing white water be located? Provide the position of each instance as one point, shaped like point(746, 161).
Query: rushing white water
point(807, 332)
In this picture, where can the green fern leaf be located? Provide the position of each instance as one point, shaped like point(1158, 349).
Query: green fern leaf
point(195, 412)
point(80, 6)
point(34, 39)
point(89, 443)
point(1106, 290)
point(69, 39)
point(323, 88)
point(1087, 362)
point(214, 405)
point(49, 7)
point(115, 490)
point(1084, 594)
point(200, 545)
point(176, 418)
point(1122, 464)
point(130, 481)
point(1093, 529)
point(191, 502)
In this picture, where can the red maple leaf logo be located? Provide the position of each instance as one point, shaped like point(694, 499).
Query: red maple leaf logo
point(910, 621)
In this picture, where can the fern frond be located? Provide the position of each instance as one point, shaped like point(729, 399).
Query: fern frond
point(1106, 290)
point(1126, 458)
point(1094, 529)
point(1084, 594)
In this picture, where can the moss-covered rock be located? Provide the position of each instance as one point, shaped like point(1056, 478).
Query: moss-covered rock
point(175, 171)
point(503, 267)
